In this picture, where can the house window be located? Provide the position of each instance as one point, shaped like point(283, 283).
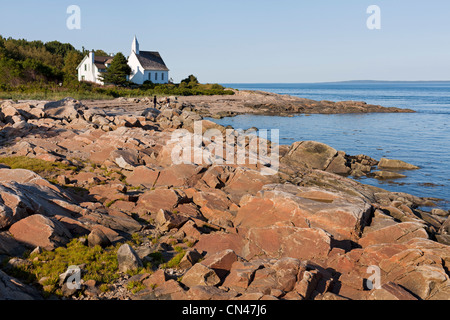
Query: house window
point(156, 76)
point(162, 76)
point(150, 76)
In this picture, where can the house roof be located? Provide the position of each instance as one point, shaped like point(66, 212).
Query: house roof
point(100, 61)
point(151, 60)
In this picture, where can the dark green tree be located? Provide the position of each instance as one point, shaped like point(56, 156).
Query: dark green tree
point(71, 62)
point(191, 80)
point(118, 71)
point(100, 53)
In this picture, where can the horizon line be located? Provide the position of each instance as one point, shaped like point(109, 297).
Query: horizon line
point(341, 81)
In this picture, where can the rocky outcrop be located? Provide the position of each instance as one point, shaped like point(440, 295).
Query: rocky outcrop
point(208, 231)
point(258, 102)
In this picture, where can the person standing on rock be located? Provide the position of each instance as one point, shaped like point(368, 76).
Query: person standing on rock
point(154, 102)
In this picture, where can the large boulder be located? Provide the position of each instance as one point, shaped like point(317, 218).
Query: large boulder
point(13, 289)
point(200, 275)
point(40, 231)
point(310, 154)
point(285, 241)
point(68, 109)
point(341, 215)
point(22, 193)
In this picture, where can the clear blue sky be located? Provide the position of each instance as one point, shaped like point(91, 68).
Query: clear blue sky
point(254, 40)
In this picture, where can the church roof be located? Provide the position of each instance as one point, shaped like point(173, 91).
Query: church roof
point(151, 60)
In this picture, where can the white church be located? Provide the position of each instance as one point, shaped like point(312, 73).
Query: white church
point(145, 65)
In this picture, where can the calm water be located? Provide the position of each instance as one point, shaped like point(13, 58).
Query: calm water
point(422, 138)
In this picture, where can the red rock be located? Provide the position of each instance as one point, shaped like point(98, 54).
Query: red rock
point(98, 237)
point(219, 241)
point(310, 154)
point(286, 270)
point(208, 293)
point(306, 286)
point(124, 206)
point(143, 175)
point(245, 181)
point(214, 206)
point(40, 231)
point(254, 296)
point(125, 159)
point(342, 216)
point(19, 200)
point(75, 227)
point(170, 289)
point(191, 232)
point(200, 275)
point(156, 279)
point(391, 291)
point(264, 280)
point(109, 192)
point(189, 209)
point(154, 200)
point(426, 282)
point(397, 233)
point(278, 242)
point(216, 176)
point(20, 176)
point(179, 175)
point(221, 262)
point(240, 276)
point(168, 220)
point(190, 258)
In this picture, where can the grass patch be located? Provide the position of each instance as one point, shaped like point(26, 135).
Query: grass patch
point(100, 265)
point(135, 286)
point(175, 261)
point(37, 165)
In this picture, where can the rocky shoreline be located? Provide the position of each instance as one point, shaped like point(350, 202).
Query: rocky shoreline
point(253, 102)
point(191, 231)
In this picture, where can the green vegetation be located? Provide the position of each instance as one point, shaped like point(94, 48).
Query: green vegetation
point(175, 261)
point(135, 286)
point(37, 70)
point(99, 264)
point(37, 165)
point(118, 71)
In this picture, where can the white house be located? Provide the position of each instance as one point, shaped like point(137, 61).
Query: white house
point(92, 66)
point(147, 65)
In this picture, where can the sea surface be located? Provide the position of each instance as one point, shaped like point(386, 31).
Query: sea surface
point(421, 138)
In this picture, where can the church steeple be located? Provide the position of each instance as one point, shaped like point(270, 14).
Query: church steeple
point(135, 46)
